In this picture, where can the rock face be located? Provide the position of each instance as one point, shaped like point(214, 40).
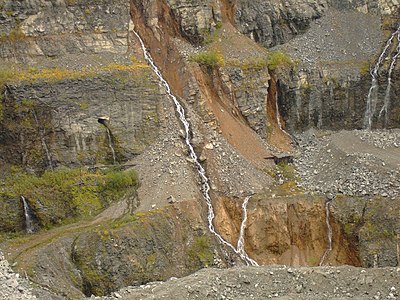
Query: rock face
point(41, 28)
point(374, 225)
point(47, 124)
point(279, 229)
point(275, 22)
point(81, 71)
point(329, 88)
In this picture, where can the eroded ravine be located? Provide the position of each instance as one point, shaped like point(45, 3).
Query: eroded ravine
point(201, 171)
point(288, 229)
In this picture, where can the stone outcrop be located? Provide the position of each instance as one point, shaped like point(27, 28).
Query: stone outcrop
point(274, 22)
point(329, 87)
point(81, 69)
point(280, 228)
point(38, 28)
point(47, 124)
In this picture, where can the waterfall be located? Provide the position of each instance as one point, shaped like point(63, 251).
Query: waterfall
point(110, 144)
point(386, 102)
point(329, 231)
point(28, 216)
point(187, 136)
point(372, 97)
point(104, 121)
point(240, 243)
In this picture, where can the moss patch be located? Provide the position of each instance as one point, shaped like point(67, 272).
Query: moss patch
point(67, 194)
point(209, 59)
point(201, 251)
point(15, 73)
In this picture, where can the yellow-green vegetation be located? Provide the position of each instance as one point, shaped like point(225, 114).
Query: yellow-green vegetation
point(210, 37)
point(1, 106)
point(287, 170)
point(250, 64)
point(365, 67)
point(201, 251)
point(67, 194)
point(6, 75)
point(16, 34)
point(313, 261)
point(210, 59)
point(20, 73)
point(270, 60)
point(71, 2)
point(277, 59)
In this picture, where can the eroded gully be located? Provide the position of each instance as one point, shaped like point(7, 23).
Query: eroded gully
point(201, 171)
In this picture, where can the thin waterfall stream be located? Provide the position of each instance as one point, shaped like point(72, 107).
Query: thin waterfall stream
point(201, 171)
point(104, 121)
point(386, 101)
point(110, 144)
point(28, 216)
point(240, 243)
point(372, 97)
point(329, 232)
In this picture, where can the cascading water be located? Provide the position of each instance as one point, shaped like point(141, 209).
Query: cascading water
point(386, 102)
point(110, 144)
point(104, 121)
point(204, 179)
point(330, 233)
point(240, 243)
point(28, 216)
point(372, 97)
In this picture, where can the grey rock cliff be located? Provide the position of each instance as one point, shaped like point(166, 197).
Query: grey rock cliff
point(63, 116)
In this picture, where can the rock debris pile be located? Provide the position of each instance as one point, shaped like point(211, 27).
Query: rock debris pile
point(382, 139)
point(357, 163)
point(277, 282)
point(12, 286)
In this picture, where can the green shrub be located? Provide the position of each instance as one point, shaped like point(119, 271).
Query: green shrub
point(278, 58)
point(116, 183)
point(208, 59)
point(201, 251)
point(16, 34)
point(365, 67)
point(69, 193)
point(6, 74)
